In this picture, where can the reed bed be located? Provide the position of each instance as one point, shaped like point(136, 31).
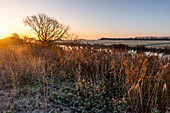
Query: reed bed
point(119, 80)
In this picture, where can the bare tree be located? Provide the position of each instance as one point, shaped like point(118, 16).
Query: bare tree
point(46, 28)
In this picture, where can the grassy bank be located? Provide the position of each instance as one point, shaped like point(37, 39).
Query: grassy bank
point(39, 78)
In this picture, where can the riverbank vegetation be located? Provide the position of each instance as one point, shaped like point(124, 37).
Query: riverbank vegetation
point(88, 78)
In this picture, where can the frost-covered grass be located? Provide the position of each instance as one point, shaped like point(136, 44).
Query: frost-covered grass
point(40, 78)
point(130, 42)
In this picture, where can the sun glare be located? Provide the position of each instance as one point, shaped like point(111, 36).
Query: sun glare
point(1, 31)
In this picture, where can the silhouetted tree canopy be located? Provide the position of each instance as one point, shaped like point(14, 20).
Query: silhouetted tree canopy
point(139, 38)
point(14, 36)
point(46, 28)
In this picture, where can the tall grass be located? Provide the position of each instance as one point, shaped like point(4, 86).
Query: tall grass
point(141, 80)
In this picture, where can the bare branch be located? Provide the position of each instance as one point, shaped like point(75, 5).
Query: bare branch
point(46, 28)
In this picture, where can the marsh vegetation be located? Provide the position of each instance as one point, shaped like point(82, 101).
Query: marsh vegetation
point(43, 78)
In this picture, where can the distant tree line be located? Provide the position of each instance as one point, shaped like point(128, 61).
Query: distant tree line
point(138, 38)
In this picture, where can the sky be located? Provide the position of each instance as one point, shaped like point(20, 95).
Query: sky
point(91, 19)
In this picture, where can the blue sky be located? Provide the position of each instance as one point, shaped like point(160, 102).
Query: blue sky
point(92, 19)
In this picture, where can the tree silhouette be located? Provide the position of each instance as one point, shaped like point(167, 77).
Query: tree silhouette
point(46, 28)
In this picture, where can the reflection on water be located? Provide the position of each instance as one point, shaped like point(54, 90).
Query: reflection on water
point(160, 55)
point(132, 52)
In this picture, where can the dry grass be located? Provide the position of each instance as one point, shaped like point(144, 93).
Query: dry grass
point(143, 79)
point(140, 79)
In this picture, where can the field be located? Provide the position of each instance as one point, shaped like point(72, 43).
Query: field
point(89, 79)
point(130, 42)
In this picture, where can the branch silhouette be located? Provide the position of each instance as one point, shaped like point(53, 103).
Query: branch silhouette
point(46, 28)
